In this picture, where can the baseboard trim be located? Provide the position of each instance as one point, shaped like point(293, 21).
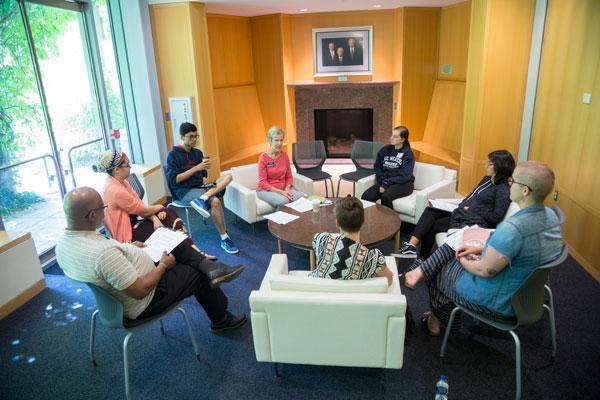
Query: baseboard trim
point(22, 298)
point(594, 272)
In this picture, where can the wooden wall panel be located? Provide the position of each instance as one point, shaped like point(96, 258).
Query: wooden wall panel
point(420, 53)
point(242, 128)
point(454, 41)
point(383, 39)
point(288, 78)
point(268, 68)
point(207, 125)
point(499, 44)
point(230, 40)
point(172, 39)
point(397, 66)
point(565, 131)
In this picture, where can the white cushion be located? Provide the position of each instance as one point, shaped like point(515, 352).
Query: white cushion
point(246, 175)
point(427, 175)
point(309, 284)
point(262, 207)
point(406, 205)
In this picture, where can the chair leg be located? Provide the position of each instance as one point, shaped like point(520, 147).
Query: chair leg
point(550, 308)
point(332, 188)
point(190, 332)
point(448, 329)
point(93, 336)
point(276, 369)
point(187, 222)
point(126, 365)
point(517, 364)
point(162, 327)
point(338, 188)
point(326, 188)
point(353, 188)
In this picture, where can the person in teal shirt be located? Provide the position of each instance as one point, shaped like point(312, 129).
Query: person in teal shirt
point(484, 278)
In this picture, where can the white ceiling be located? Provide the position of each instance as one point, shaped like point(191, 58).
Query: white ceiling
point(251, 8)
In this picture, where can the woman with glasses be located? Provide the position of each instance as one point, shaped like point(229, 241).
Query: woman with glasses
point(485, 206)
point(127, 218)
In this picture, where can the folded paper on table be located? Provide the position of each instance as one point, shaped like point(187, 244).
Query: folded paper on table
point(367, 204)
point(162, 239)
point(301, 205)
point(280, 217)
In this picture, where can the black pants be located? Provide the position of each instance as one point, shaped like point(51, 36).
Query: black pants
point(390, 194)
point(432, 222)
point(181, 282)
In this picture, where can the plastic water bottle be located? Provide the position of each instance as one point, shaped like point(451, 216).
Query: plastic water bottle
point(441, 388)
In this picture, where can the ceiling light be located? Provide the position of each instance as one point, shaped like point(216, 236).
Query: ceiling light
point(376, 5)
point(303, 9)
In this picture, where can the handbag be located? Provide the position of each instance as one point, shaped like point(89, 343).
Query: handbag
point(461, 217)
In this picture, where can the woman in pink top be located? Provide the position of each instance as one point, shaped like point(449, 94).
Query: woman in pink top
point(127, 218)
point(274, 172)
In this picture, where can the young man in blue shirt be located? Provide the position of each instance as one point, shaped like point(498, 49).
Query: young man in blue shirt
point(188, 179)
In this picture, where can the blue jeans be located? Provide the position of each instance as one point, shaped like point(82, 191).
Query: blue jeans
point(276, 199)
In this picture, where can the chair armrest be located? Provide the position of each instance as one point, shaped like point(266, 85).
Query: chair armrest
point(241, 201)
point(439, 190)
point(364, 183)
point(303, 184)
point(277, 266)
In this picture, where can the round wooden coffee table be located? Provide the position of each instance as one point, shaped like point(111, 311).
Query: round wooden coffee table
point(381, 223)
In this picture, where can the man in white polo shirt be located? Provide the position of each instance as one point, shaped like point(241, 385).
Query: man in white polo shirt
point(127, 272)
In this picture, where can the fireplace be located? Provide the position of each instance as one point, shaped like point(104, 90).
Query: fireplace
point(339, 128)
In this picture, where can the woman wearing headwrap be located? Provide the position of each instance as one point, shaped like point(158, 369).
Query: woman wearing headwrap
point(129, 220)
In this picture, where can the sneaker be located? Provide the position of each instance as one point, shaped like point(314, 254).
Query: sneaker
point(200, 205)
point(228, 246)
point(231, 322)
point(406, 251)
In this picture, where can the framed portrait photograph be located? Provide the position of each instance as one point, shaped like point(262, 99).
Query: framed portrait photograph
point(343, 51)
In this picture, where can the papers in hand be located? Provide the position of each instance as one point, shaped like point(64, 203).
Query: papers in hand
point(468, 236)
point(444, 204)
point(163, 239)
point(280, 217)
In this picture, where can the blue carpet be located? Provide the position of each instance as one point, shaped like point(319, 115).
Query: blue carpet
point(44, 347)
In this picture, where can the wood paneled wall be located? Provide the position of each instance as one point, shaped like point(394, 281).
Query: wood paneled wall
point(499, 42)
point(566, 132)
point(180, 38)
point(454, 41)
point(230, 40)
point(420, 53)
point(383, 39)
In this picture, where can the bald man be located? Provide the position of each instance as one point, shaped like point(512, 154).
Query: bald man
point(127, 272)
point(478, 277)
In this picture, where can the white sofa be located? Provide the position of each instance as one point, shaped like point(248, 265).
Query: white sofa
point(240, 196)
point(431, 182)
point(301, 320)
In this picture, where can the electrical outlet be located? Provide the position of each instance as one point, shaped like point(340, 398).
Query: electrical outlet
point(555, 195)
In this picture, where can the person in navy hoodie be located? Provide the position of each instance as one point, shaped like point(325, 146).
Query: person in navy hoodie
point(188, 179)
point(394, 167)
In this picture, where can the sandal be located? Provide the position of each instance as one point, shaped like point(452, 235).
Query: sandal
point(425, 323)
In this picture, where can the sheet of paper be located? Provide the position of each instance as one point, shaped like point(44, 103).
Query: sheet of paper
point(301, 205)
point(280, 217)
point(442, 205)
point(163, 239)
point(367, 204)
point(455, 239)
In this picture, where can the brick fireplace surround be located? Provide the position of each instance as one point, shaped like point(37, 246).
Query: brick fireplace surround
point(312, 96)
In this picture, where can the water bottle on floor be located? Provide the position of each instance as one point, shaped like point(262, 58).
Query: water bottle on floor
point(441, 388)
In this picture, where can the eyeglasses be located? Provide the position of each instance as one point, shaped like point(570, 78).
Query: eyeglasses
point(510, 181)
point(96, 209)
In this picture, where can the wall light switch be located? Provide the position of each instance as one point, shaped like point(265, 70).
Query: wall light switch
point(587, 98)
point(342, 78)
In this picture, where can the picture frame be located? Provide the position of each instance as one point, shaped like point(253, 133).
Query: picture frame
point(343, 51)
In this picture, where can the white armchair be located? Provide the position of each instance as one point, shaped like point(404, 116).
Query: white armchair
point(431, 182)
point(240, 196)
point(301, 320)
